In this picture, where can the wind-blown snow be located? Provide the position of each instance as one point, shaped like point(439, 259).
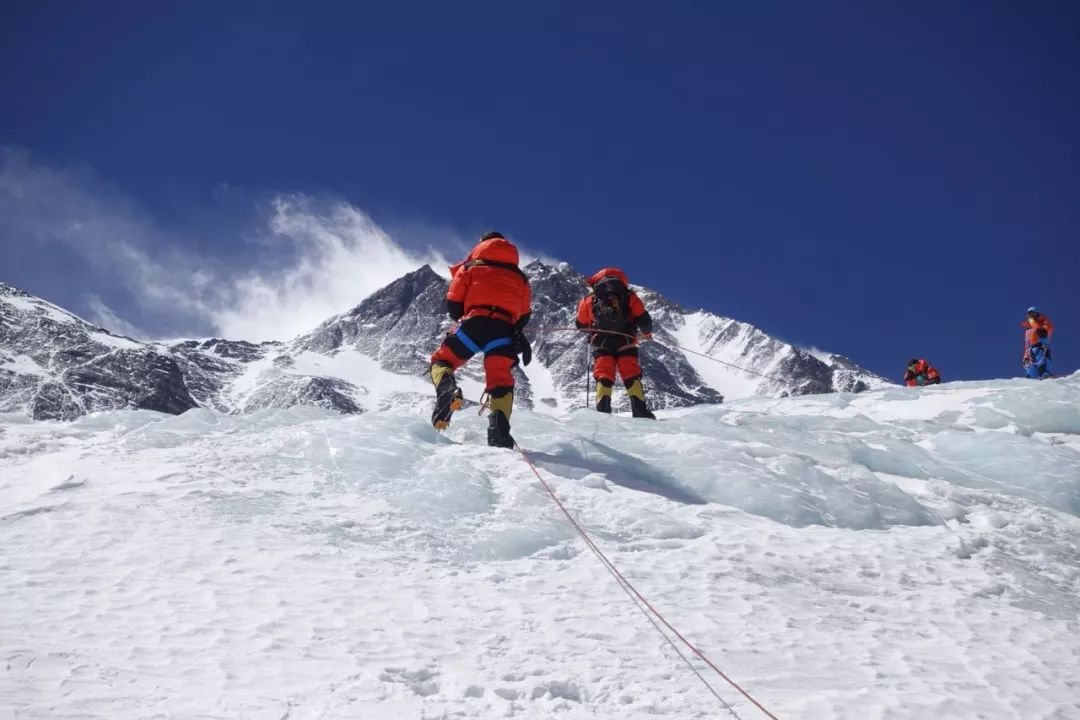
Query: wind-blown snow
point(895, 554)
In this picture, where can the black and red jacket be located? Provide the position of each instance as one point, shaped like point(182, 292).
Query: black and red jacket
point(637, 317)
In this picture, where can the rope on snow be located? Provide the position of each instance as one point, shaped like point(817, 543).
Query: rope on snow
point(646, 607)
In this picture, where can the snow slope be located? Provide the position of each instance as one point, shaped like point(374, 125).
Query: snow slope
point(894, 554)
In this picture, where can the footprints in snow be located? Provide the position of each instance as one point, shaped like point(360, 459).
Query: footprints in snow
point(422, 682)
point(515, 687)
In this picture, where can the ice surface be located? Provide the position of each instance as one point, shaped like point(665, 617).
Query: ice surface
point(895, 554)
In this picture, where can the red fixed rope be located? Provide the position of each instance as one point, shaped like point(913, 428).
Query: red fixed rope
point(632, 591)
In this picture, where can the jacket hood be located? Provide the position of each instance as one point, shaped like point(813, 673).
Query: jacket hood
point(495, 250)
point(607, 273)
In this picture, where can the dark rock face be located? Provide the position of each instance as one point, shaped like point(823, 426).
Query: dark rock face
point(398, 326)
point(54, 365)
point(211, 366)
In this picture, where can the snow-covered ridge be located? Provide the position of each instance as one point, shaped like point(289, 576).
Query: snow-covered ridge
point(55, 365)
point(29, 306)
point(902, 554)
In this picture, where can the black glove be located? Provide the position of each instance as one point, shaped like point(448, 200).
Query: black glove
point(522, 347)
point(455, 309)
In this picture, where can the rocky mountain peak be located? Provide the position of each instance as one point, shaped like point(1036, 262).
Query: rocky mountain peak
point(54, 365)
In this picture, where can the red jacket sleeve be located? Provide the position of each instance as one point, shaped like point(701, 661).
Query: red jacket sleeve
point(459, 284)
point(584, 312)
point(455, 295)
point(639, 316)
point(527, 310)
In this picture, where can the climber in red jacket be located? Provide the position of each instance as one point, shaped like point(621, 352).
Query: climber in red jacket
point(617, 315)
point(919, 372)
point(490, 298)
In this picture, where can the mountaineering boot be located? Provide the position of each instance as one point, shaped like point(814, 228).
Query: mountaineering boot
point(639, 409)
point(637, 400)
point(448, 397)
point(499, 421)
point(603, 396)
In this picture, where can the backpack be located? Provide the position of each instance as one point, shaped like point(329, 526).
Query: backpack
point(610, 305)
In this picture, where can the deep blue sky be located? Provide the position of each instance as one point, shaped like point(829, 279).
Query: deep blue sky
point(878, 179)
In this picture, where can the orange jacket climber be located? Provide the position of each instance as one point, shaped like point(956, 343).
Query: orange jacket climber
point(635, 316)
point(490, 298)
point(615, 315)
point(489, 283)
point(1035, 321)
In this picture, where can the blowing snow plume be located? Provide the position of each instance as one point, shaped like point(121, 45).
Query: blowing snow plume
point(303, 258)
point(337, 257)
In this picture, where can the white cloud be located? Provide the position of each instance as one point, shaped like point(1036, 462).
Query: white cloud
point(306, 259)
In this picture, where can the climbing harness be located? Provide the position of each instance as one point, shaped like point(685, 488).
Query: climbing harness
point(474, 348)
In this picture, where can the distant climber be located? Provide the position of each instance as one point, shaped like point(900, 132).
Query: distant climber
point(616, 315)
point(919, 373)
point(1037, 357)
point(1033, 324)
point(490, 299)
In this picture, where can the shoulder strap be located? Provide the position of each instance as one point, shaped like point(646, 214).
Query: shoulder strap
point(496, 264)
